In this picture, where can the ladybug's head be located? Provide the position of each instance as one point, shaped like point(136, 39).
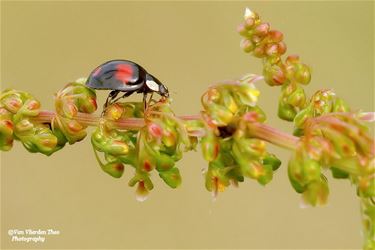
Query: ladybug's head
point(154, 85)
point(163, 90)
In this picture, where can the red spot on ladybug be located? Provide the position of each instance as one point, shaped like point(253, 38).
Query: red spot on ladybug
point(97, 71)
point(124, 73)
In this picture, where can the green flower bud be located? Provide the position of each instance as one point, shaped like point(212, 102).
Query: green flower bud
point(316, 193)
point(311, 170)
point(24, 127)
point(266, 175)
point(252, 147)
point(300, 118)
point(271, 160)
point(230, 103)
point(297, 98)
point(366, 185)
point(171, 177)
point(258, 116)
point(114, 169)
point(41, 140)
point(286, 111)
point(117, 147)
point(248, 94)
point(343, 145)
point(250, 23)
point(273, 75)
point(256, 170)
point(247, 45)
point(302, 73)
point(12, 102)
point(69, 109)
point(295, 175)
point(164, 162)
point(210, 147)
point(195, 127)
point(322, 101)
point(340, 105)
point(242, 30)
point(217, 177)
point(6, 127)
point(114, 112)
point(220, 115)
point(338, 173)
point(169, 138)
point(6, 134)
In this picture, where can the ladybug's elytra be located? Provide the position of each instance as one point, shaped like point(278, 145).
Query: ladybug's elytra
point(124, 76)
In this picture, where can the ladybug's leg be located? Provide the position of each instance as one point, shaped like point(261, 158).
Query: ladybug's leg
point(144, 101)
point(110, 97)
point(123, 96)
point(149, 100)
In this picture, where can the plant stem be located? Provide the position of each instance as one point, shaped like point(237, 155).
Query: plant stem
point(259, 130)
point(274, 136)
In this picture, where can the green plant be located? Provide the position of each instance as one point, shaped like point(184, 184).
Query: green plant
point(231, 130)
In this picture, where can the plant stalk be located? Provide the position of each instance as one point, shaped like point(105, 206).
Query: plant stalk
point(259, 130)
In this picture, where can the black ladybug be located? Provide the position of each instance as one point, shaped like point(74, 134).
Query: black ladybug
point(124, 76)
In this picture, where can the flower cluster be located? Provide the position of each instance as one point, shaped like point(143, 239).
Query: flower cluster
point(268, 44)
point(337, 141)
point(228, 145)
point(74, 98)
point(156, 144)
point(322, 102)
point(22, 119)
point(17, 110)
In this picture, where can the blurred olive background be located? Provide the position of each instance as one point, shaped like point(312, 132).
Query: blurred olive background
point(188, 46)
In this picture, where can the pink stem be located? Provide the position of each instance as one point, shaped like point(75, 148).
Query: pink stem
point(272, 135)
point(259, 130)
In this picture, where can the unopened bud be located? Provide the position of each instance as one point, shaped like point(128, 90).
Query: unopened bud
point(114, 169)
point(171, 177)
point(275, 36)
point(262, 29)
point(302, 73)
point(316, 193)
point(247, 45)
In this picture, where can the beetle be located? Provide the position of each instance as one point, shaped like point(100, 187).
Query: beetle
point(127, 77)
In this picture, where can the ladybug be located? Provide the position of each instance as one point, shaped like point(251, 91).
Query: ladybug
point(127, 77)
